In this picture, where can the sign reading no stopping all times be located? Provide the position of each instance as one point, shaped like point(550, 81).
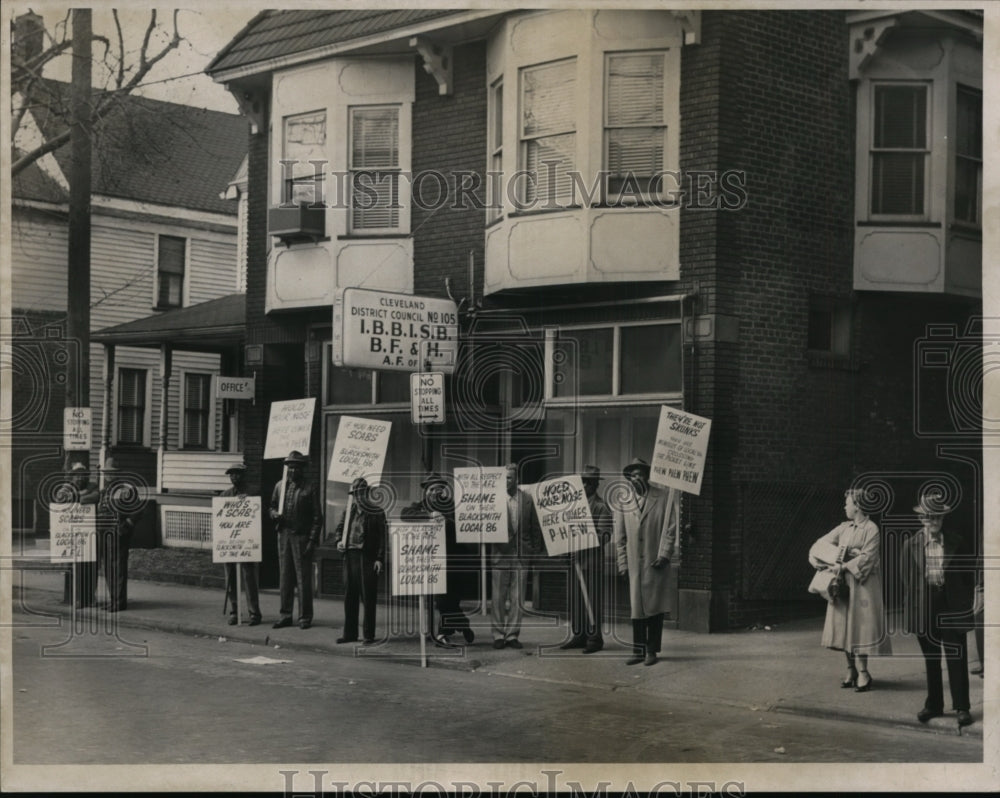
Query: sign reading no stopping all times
point(427, 398)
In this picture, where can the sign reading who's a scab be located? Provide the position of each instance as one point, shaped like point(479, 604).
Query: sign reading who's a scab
point(398, 332)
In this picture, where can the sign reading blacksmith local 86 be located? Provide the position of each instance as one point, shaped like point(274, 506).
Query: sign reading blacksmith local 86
point(399, 332)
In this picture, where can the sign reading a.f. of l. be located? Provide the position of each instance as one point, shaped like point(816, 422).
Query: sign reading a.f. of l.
point(397, 332)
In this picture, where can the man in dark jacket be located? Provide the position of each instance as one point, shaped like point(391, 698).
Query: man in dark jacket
point(938, 605)
point(361, 539)
point(117, 507)
point(237, 474)
point(79, 488)
point(298, 522)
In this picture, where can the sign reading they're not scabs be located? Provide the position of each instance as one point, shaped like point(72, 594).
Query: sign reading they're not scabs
point(419, 558)
point(481, 505)
point(289, 427)
point(397, 332)
point(236, 529)
point(564, 515)
point(680, 450)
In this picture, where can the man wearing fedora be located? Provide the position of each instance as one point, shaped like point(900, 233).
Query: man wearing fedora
point(584, 634)
point(78, 488)
point(937, 604)
point(116, 509)
point(361, 539)
point(237, 474)
point(645, 541)
point(298, 525)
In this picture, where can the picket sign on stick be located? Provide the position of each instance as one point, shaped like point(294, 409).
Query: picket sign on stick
point(289, 427)
point(481, 512)
point(680, 450)
point(419, 566)
point(586, 595)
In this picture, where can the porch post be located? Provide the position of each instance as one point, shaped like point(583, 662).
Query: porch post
point(109, 386)
point(166, 364)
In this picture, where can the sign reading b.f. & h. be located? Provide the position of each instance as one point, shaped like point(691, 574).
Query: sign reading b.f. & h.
point(396, 332)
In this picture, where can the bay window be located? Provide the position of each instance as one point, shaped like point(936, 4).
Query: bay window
point(548, 132)
point(635, 128)
point(969, 156)
point(304, 153)
point(900, 149)
point(374, 168)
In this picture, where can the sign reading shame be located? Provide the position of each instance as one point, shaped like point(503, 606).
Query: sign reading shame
point(680, 450)
point(236, 529)
point(289, 427)
point(359, 450)
point(564, 515)
point(419, 558)
point(73, 532)
point(481, 505)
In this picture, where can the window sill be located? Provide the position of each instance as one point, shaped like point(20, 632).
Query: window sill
point(167, 307)
point(371, 236)
point(543, 211)
point(898, 223)
point(967, 229)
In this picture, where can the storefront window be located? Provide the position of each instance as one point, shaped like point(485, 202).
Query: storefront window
point(651, 359)
point(583, 363)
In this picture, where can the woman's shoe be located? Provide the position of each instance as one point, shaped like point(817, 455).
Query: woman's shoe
point(851, 680)
point(864, 688)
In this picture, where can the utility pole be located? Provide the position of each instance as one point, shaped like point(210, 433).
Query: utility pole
point(78, 256)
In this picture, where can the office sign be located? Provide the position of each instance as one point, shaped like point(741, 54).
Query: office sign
point(289, 427)
point(680, 450)
point(234, 388)
point(236, 529)
point(427, 397)
point(564, 515)
point(418, 558)
point(397, 332)
point(77, 429)
point(481, 505)
point(359, 450)
point(73, 532)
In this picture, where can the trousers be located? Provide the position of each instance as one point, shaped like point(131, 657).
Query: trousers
point(112, 551)
point(295, 568)
point(508, 589)
point(647, 634)
point(248, 576)
point(360, 587)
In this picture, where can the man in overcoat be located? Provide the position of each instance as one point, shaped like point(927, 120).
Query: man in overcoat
point(363, 545)
point(938, 582)
point(80, 489)
point(116, 509)
point(237, 474)
point(646, 539)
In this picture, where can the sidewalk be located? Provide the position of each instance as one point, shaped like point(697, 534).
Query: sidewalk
point(783, 670)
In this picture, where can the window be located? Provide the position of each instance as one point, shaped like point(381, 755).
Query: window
point(548, 132)
point(618, 360)
point(197, 410)
point(495, 198)
point(304, 153)
point(829, 328)
point(969, 156)
point(634, 123)
point(899, 150)
point(171, 255)
point(353, 386)
point(131, 419)
point(374, 167)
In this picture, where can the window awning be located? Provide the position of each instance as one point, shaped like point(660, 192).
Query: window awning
point(208, 326)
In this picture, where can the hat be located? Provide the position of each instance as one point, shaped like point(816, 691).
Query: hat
point(931, 502)
point(433, 479)
point(78, 466)
point(590, 472)
point(637, 463)
point(110, 465)
point(295, 457)
point(358, 485)
point(236, 468)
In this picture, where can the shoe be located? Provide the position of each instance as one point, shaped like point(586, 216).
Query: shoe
point(305, 624)
point(468, 634)
point(514, 643)
point(851, 680)
point(347, 640)
point(864, 688)
point(281, 623)
point(498, 643)
point(254, 622)
point(635, 659)
point(574, 642)
point(442, 641)
point(926, 714)
point(232, 620)
point(650, 659)
point(369, 641)
point(977, 671)
point(964, 718)
point(592, 648)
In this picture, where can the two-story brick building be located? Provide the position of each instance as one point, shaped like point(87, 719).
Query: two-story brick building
point(769, 218)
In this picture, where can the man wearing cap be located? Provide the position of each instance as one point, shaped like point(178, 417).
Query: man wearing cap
point(297, 523)
point(237, 474)
point(510, 560)
point(645, 541)
point(584, 634)
point(362, 542)
point(79, 489)
point(116, 509)
point(937, 602)
point(438, 502)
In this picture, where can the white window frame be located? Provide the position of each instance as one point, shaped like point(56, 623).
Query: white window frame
point(957, 157)
point(375, 388)
point(315, 178)
point(928, 87)
point(210, 436)
point(402, 218)
point(185, 278)
point(524, 140)
point(147, 414)
point(607, 127)
point(495, 185)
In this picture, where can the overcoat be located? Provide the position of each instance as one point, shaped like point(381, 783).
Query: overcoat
point(641, 536)
point(959, 583)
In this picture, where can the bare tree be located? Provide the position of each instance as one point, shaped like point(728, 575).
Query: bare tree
point(127, 67)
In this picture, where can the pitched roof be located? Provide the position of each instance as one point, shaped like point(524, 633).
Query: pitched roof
point(278, 33)
point(33, 183)
point(151, 150)
point(207, 325)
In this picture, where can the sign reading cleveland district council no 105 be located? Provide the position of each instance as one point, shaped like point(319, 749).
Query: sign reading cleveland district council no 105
point(398, 332)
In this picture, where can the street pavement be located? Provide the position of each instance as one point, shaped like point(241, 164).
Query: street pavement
point(782, 669)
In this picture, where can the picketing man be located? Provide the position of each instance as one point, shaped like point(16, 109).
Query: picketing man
point(80, 489)
point(298, 523)
point(363, 547)
point(237, 474)
point(646, 539)
point(116, 510)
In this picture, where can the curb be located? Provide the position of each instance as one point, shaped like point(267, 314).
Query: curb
point(940, 725)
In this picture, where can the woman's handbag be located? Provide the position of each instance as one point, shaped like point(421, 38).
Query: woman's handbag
point(830, 584)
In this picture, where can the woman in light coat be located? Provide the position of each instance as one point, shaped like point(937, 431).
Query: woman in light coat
point(855, 624)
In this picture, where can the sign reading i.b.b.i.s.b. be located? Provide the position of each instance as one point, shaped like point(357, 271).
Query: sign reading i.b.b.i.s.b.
point(398, 332)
